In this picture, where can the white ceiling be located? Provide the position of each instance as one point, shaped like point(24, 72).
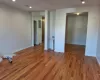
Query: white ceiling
point(48, 4)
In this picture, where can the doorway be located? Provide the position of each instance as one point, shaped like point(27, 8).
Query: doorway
point(43, 29)
point(76, 32)
point(38, 25)
point(35, 32)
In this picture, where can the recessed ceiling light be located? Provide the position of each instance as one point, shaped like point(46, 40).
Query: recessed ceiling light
point(83, 2)
point(14, 0)
point(78, 13)
point(30, 7)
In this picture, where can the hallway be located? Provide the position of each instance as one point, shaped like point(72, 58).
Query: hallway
point(36, 64)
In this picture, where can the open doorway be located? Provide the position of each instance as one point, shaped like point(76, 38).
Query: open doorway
point(43, 29)
point(76, 32)
point(39, 26)
point(35, 32)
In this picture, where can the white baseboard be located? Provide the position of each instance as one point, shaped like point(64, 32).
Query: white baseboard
point(9, 55)
point(13, 53)
point(90, 55)
point(98, 61)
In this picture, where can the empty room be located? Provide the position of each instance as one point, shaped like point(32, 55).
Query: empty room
point(49, 39)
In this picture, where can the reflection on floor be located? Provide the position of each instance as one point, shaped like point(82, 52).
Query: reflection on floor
point(37, 64)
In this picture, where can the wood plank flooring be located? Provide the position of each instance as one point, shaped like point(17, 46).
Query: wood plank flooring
point(36, 64)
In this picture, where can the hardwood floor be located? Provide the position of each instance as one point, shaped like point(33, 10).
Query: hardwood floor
point(37, 64)
point(75, 48)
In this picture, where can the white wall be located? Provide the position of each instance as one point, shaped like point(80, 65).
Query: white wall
point(92, 28)
point(49, 29)
point(98, 47)
point(47, 26)
point(52, 28)
point(60, 23)
point(76, 29)
point(98, 42)
point(15, 30)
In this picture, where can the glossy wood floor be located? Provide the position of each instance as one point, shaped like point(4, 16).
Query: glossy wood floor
point(37, 64)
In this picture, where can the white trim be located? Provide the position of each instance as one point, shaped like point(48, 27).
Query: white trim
point(46, 45)
point(98, 61)
point(32, 33)
point(90, 55)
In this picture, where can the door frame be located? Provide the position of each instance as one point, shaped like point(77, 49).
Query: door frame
point(67, 27)
point(37, 18)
